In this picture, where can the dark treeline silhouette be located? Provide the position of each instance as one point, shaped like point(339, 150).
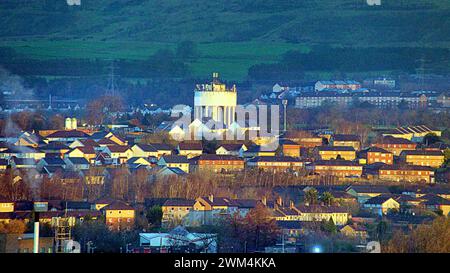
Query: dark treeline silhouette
point(323, 58)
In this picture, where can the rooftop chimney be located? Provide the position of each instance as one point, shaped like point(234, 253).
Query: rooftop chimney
point(279, 201)
point(211, 198)
point(291, 204)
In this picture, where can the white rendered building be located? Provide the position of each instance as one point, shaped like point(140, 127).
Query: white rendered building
point(215, 101)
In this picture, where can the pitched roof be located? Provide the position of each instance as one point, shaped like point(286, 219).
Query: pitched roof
point(374, 149)
point(231, 146)
point(118, 205)
point(335, 162)
point(161, 146)
point(68, 134)
point(345, 137)
point(85, 150)
point(106, 141)
point(378, 200)
point(369, 189)
point(89, 142)
point(218, 157)
point(191, 146)
point(78, 160)
point(406, 167)
point(3, 162)
point(336, 148)
point(220, 201)
point(393, 140)
point(55, 145)
point(422, 152)
point(274, 159)
point(319, 208)
point(290, 224)
point(53, 161)
point(175, 159)
point(99, 135)
point(118, 148)
point(179, 202)
point(147, 147)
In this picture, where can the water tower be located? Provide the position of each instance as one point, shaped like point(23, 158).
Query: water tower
point(68, 124)
point(74, 123)
point(215, 101)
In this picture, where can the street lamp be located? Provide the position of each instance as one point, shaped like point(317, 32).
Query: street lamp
point(284, 102)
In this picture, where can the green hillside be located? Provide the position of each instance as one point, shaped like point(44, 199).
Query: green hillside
point(232, 35)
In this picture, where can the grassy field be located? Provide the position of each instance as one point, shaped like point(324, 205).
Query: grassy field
point(232, 60)
point(232, 35)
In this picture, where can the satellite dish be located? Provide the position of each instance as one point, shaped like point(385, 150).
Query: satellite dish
point(71, 246)
point(373, 247)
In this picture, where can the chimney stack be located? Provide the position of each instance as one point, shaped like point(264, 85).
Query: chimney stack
point(264, 201)
point(291, 204)
point(279, 201)
point(211, 198)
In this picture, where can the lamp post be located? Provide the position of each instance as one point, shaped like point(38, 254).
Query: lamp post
point(284, 102)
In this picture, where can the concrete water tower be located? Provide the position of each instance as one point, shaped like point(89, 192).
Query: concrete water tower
point(74, 123)
point(70, 124)
point(215, 101)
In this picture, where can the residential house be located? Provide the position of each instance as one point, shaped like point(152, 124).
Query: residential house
point(119, 154)
point(357, 232)
point(167, 172)
point(230, 149)
point(436, 203)
point(190, 149)
point(219, 163)
point(50, 162)
point(275, 163)
point(144, 150)
point(377, 155)
point(67, 136)
point(175, 210)
point(161, 149)
point(84, 143)
point(339, 168)
point(290, 148)
point(22, 152)
point(77, 163)
point(22, 163)
point(6, 205)
point(27, 139)
point(410, 173)
point(257, 150)
point(55, 148)
point(382, 204)
point(175, 161)
point(432, 159)
point(23, 243)
point(88, 152)
point(364, 193)
point(4, 164)
point(336, 152)
point(347, 140)
point(395, 145)
point(119, 215)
